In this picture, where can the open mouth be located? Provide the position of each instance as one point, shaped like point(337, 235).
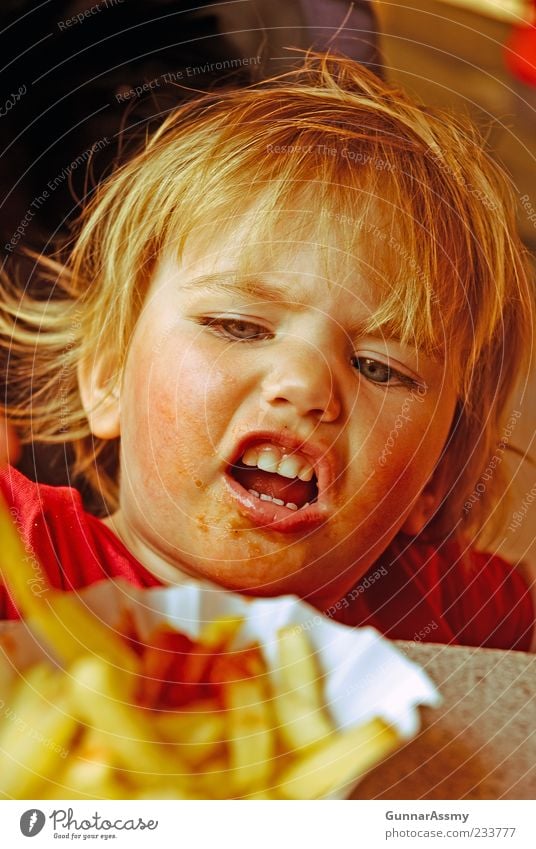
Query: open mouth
point(271, 474)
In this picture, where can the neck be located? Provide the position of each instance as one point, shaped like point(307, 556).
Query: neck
point(171, 574)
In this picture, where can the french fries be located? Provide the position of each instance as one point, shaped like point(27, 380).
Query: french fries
point(81, 733)
point(174, 719)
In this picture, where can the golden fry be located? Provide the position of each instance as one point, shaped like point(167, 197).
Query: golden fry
point(299, 724)
point(252, 745)
point(297, 667)
point(338, 761)
point(16, 570)
point(36, 732)
point(73, 631)
point(220, 633)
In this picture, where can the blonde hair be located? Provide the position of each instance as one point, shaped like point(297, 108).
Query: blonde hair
point(411, 185)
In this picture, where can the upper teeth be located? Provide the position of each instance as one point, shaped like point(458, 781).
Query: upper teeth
point(270, 458)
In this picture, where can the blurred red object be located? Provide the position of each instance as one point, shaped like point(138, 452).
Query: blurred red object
point(520, 51)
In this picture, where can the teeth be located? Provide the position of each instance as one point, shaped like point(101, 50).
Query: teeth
point(250, 457)
point(264, 497)
point(268, 461)
point(290, 467)
point(270, 458)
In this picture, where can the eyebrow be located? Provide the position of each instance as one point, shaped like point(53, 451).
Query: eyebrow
point(261, 290)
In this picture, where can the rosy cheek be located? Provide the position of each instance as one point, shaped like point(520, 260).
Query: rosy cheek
point(401, 453)
point(181, 403)
point(207, 383)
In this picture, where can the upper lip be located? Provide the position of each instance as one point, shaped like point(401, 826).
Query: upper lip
point(320, 456)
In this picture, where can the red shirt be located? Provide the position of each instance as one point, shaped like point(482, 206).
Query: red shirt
point(414, 592)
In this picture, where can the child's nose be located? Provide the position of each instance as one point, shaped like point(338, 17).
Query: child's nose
point(305, 381)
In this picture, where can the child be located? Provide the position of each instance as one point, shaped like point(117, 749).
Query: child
point(282, 347)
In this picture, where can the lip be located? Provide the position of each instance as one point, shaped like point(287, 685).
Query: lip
point(273, 517)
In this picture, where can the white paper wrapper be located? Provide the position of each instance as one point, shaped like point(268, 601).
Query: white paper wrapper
point(365, 676)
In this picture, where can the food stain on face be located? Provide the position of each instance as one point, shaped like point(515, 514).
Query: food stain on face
point(238, 523)
point(233, 525)
point(254, 550)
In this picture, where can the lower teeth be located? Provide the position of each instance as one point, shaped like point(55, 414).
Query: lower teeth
point(263, 497)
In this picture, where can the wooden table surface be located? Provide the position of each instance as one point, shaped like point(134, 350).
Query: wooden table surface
point(481, 742)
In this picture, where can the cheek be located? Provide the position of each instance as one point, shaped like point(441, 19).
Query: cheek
point(397, 459)
point(201, 395)
point(178, 401)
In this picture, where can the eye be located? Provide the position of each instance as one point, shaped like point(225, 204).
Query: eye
point(377, 372)
point(237, 329)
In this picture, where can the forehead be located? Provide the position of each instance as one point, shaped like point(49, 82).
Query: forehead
point(301, 243)
point(357, 254)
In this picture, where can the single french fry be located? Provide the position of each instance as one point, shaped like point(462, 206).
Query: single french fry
point(297, 667)
point(339, 761)
point(36, 731)
point(300, 725)
point(16, 570)
point(219, 634)
point(252, 746)
point(68, 620)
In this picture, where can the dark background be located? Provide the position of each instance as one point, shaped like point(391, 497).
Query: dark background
point(76, 72)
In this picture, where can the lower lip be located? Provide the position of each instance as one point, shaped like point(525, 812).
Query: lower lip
point(274, 517)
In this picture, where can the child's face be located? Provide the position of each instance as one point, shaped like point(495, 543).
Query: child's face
point(221, 381)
